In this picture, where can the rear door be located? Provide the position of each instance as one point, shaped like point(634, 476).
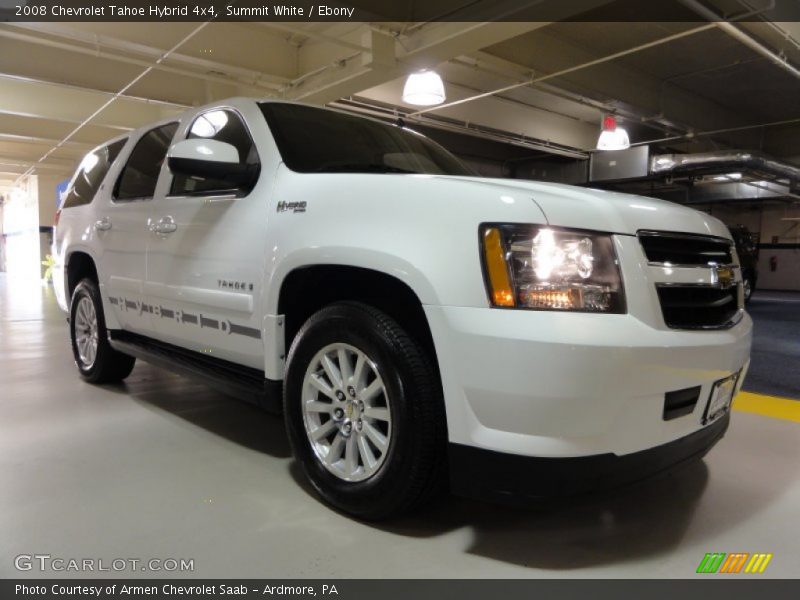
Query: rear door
point(206, 254)
point(123, 226)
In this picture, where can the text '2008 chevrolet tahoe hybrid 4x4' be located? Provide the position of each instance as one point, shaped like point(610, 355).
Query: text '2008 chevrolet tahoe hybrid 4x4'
point(418, 326)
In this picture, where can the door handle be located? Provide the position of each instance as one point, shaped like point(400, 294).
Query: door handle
point(164, 225)
point(103, 224)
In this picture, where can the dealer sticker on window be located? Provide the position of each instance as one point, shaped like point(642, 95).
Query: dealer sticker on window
point(720, 400)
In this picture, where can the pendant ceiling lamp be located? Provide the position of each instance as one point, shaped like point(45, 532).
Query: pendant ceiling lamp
point(613, 137)
point(424, 88)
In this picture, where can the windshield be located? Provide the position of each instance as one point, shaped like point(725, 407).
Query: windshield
point(315, 140)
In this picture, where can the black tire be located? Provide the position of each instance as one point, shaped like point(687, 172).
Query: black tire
point(413, 470)
point(749, 285)
point(108, 365)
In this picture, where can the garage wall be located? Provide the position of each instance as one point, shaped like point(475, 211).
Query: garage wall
point(750, 218)
point(2, 241)
point(787, 273)
point(780, 239)
point(485, 167)
point(46, 186)
point(554, 169)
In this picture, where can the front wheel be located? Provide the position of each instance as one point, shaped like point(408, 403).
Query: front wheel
point(364, 412)
point(96, 360)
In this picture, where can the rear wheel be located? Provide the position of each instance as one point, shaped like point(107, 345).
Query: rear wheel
point(364, 412)
point(96, 360)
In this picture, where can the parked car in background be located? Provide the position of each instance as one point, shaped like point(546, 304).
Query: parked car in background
point(747, 249)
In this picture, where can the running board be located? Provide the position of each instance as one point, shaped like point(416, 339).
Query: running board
point(245, 383)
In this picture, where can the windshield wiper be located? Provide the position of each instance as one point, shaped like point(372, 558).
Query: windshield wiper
point(361, 168)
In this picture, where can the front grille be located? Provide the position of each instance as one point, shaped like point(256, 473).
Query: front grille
point(690, 305)
point(698, 307)
point(684, 249)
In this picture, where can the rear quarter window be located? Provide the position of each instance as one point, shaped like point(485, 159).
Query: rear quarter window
point(90, 174)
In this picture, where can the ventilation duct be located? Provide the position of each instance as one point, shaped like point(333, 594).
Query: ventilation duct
point(722, 162)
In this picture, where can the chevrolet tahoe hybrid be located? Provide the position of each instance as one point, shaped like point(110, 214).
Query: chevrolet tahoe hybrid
point(419, 327)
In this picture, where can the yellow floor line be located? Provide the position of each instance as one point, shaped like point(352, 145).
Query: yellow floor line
point(768, 406)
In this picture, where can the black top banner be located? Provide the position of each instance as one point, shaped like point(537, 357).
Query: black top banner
point(395, 10)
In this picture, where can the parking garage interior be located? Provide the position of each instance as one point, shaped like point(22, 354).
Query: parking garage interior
point(164, 465)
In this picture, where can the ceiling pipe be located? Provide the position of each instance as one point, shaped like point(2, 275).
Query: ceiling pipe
point(108, 102)
point(710, 163)
point(453, 15)
point(722, 162)
point(776, 28)
point(769, 189)
point(98, 42)
point(741, 36)
point(297, 82)
point(595, 62)
point(697, 134)
point(567, 71)
point(362, 106)
point(69, 86)
point(12, 137)
point(657, 122)
point(312, 35)
point(250, 80)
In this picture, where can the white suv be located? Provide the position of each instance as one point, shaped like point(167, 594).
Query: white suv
point(418, 326)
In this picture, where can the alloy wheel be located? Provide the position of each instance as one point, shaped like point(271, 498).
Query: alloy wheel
point(346, 412)
point(86, 331)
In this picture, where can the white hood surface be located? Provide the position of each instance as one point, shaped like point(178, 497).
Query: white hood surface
point(600, 210)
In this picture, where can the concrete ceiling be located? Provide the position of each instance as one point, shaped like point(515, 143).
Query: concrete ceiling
point(65, 87)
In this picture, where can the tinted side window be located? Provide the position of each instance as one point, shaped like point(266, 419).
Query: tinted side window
point(223, 126)
point(90, 174)
point(140, 175)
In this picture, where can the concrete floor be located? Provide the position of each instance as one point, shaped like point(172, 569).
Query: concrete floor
point(163, 467)
point(775, 360)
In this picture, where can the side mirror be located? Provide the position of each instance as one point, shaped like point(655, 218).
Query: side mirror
point(209, 159)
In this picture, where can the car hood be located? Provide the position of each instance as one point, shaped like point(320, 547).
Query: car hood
point(600, 210)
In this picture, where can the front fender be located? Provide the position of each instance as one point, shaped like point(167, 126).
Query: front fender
point(364, 258)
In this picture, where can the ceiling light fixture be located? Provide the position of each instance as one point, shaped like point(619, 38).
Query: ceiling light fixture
point(209, 124)
point(424, 88)
point(612, 137)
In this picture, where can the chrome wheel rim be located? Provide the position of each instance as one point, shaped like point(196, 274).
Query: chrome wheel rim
point(346, 412)
point(748, 289)
point(86, 335)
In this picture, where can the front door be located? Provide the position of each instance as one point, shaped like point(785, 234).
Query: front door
point(206, 255)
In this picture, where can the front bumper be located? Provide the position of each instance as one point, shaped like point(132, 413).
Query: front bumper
point(565, 385)
point(510, 478)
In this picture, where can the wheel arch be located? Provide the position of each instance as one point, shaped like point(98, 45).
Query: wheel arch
point(306, 289)
point(80, 264)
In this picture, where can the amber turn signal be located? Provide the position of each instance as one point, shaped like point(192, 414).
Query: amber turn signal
point(496, 268)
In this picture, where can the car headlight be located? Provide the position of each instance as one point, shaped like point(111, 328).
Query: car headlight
point(545, 268)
